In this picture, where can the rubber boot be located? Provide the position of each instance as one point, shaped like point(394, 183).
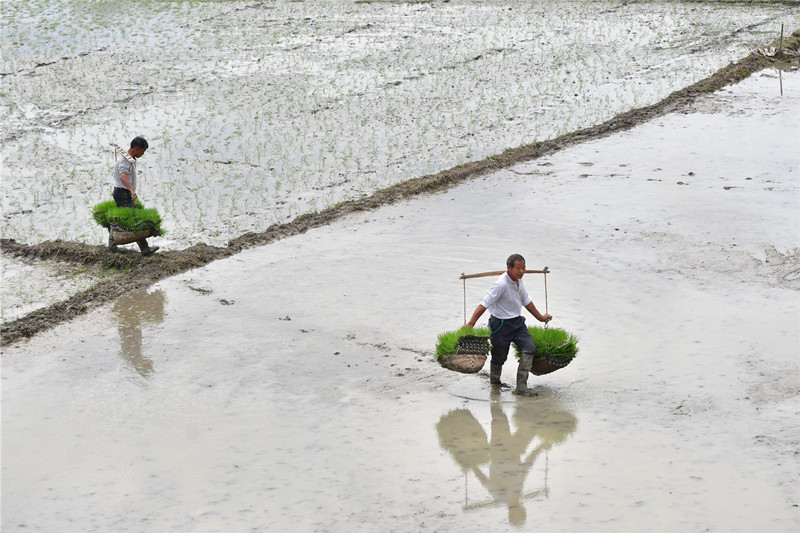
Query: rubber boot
point(525, 362)
point(112, 246)
point(145, 248)
point(494, 375)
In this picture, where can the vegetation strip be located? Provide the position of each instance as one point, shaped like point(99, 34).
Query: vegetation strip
point(137, 272)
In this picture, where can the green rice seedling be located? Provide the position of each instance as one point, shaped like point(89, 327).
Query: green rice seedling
point(132, 219)
point(549, 342)
point(139, 218)
point(552, 342)
point(100, 211)
point(447, 341)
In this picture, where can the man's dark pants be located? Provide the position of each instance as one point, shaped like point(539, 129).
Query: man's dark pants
point(506, 331)
point(123, 197)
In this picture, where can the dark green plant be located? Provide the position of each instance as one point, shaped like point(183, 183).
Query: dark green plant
point(128, 218)
point(446, 344)
point(100, 211)
point(552, 342)
point(548, 341)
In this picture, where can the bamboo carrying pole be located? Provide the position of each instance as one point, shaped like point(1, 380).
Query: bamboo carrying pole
point(465, 277)
point(498, 272)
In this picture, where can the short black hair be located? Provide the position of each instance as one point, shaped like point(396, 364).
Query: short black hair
point(139, 142)
point(513, 258)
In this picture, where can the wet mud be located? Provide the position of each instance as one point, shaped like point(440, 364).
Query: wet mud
point(130, 271)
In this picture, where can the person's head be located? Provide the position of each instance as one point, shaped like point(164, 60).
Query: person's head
point(517, 515)
point(139, 146)
point(516, 266)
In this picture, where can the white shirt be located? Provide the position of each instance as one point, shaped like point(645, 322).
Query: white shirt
point(506, 298)
point(123, 165)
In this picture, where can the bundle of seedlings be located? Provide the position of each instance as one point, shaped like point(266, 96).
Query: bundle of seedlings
point(463, 350)
point(466, 348)
point(128, 224)
point(555, 348)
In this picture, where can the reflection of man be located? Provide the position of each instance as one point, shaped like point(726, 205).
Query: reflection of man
point(463, 436)
point(132, 310)
point(509, 467)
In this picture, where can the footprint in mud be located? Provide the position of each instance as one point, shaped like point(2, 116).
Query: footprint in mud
point(792, 276)
point(784, 266)
point(201, 290)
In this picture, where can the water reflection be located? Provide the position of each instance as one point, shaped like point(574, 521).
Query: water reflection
point(132, 311)
point(503, 459)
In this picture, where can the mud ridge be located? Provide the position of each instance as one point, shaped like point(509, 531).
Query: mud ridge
point(788, 3)
point(134, 271)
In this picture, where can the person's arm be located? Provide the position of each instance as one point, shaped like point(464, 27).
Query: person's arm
point(123, 177)
point(537, 315)
point(476, 315)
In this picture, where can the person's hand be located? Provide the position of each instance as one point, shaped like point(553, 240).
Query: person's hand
point(134, 195)
point(547, 318)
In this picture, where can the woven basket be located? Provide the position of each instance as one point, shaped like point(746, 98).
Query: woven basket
point(470, 356)
point(558, 361)
point(464, 362)
point(125, 237)
point(472, 344)
point(549, 363)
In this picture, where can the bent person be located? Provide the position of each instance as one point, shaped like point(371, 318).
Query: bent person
point(125, 187)
point(505, 300)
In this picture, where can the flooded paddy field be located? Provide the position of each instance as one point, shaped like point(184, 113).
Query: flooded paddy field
point(30, 285)
point(292, 386)
point(257, 112)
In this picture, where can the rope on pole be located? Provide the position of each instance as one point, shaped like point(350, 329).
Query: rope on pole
point(545, 288)
point(465, 297)
point(545, 271)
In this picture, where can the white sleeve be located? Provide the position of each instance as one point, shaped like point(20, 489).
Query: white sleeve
point(492, 295)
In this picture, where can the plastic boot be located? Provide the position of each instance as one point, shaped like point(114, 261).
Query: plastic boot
point(494, 375)
point(112, 246)
point(525, 362)
point(145, 248)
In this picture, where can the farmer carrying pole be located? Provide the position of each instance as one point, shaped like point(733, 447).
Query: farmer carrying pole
point(505, 300)
point(125, 186)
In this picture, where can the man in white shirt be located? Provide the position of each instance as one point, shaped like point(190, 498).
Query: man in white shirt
point(505, 300)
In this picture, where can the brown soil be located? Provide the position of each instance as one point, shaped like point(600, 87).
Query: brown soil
point(132, 271)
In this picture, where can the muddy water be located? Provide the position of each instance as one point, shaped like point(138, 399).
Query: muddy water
point(292, 386)
point(30, 285)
